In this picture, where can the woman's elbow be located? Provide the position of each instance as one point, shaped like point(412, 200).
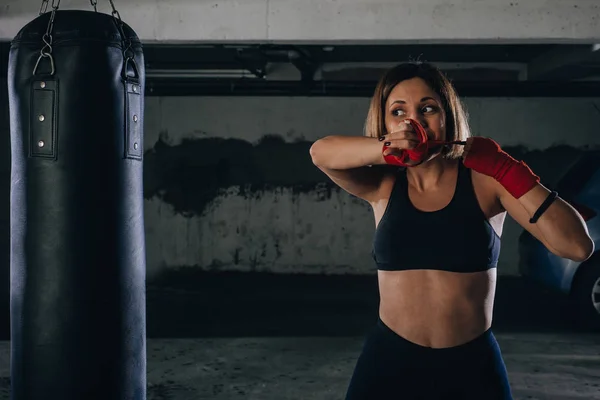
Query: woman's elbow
point(316, 152)
point(582, 250)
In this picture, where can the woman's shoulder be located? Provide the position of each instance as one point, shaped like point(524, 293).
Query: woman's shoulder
point(487, 193)
point(483, 182)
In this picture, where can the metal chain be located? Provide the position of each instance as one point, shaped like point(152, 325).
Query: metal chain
point(128, 53)
point(115, 13)
point(44, 7)
point(46, 51)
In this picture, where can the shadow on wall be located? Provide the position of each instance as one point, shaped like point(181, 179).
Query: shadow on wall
point(191, 175)
point(195, 175)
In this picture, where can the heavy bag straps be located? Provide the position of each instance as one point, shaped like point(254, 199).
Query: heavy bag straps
point(46, 51)
point(133, 94)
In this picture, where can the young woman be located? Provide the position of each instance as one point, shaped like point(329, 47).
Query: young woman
point(439, 198)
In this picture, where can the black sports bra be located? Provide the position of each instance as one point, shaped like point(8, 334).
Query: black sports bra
point(456, 238)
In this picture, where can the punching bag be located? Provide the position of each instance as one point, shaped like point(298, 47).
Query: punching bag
point(76, 100)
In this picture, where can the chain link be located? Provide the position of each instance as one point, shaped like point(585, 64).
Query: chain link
point(115, 13)
point(46, 51)
point(128, 54)
point(44, 6)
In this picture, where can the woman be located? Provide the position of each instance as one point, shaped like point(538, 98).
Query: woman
point(439, 198)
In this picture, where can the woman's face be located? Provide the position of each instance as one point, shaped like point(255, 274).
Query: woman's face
point(414, 99)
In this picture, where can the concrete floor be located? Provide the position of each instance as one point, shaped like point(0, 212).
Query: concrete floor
point(264, 337)
point(541, 367)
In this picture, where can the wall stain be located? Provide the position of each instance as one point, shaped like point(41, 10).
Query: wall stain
point(192, 174)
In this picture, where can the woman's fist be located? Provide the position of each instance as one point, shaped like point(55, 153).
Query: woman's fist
point(407, 145)
point(402, 138)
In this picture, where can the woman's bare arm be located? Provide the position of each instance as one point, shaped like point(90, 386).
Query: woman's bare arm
point(561, 229)
point(352, 162)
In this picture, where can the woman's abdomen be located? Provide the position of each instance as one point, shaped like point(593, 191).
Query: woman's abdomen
point(437, 308)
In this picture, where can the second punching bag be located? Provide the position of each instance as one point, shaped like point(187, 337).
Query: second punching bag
point(76, 99)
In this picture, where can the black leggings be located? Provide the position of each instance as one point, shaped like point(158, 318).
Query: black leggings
point(391, 367)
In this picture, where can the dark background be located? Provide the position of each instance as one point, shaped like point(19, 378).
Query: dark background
point(189, 303)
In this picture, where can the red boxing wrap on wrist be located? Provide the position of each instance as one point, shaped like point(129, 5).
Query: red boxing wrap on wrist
point(486, 157)
point(417, 154)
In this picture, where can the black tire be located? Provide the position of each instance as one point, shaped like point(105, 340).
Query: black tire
point(585, 313)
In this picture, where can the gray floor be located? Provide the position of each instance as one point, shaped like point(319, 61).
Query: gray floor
point(542, 366)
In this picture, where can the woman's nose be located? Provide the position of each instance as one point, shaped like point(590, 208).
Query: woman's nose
point(417, 116)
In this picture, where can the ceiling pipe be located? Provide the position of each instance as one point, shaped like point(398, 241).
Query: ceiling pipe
point(200, 73)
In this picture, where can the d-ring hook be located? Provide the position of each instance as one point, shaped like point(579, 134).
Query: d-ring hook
point(126, 68)
point(43, 55)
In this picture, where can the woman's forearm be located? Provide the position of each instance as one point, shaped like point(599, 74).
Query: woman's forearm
point(346, 152)
point(562, 227)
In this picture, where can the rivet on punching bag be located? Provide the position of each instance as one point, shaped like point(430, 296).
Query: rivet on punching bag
point(76, 100)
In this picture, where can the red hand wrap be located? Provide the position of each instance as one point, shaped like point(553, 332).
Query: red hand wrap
point(417, 154)
point(486, 157)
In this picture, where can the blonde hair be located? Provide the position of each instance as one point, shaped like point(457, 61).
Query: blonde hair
point(457, 126)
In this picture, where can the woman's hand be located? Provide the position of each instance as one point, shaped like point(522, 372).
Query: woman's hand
point(402, 138)
point(405, 146)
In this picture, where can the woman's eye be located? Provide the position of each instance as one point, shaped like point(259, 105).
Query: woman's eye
point(428, 109)
point(397, 112)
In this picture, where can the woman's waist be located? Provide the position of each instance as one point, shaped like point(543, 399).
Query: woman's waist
point(457, 347)
point(437, 308)
point(441, 262)
point(434, 329)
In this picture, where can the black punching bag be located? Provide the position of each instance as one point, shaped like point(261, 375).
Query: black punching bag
point(78, 327)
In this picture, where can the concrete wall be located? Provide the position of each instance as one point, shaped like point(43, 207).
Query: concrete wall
point(230, 184)
point(340, 20)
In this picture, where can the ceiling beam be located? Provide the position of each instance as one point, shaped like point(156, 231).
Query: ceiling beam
point(259, 87)
point(563, 63)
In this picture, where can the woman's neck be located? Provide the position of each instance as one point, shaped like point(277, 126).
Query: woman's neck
point(428, 175)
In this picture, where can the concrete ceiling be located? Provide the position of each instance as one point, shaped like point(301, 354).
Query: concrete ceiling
point(482, 70)
point(352, 70)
